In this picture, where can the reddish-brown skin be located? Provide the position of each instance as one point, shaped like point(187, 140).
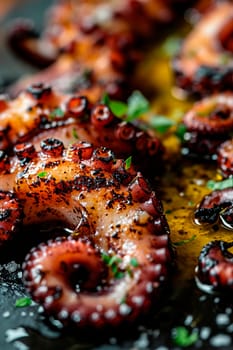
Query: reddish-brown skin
point(205, 62)
point(87, 67)
point(109, 209)
point(215, 267)
point(225, 158)
point(209, 123)
point(217, 205)
point(11, 216)
point(41, 112)
point(112, 23)
point(105, 38)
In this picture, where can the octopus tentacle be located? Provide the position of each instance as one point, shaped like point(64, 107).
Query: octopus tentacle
point(22, 39)
point(104, 38)
point(121, 21)
point(118, 227)
point(205, 61)
point(215, 267)
point(107, 300)
point(40, 112)
point(11, 215)
point(209, 123)
point(217, 204)
point(225, 158)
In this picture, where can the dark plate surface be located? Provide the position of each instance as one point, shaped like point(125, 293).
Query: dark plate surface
point(183, 304)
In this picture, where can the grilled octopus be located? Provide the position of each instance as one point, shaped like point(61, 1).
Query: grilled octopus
point(104, 38)
point(110, 268)
point(217, 205)
point(209, 123)
point(204, 64)
point(41, 112)
point(69, 21)
point(215, 267)
point(214, 271)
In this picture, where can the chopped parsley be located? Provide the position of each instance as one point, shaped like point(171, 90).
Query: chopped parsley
point(182, 337)
point(42, 174)
point(118, 108)
point(105, 99)
point(220, 185)
point(128, 163)
point(168, 211)
point(180, 131)
point(136, 105)
point(23, 302)
point(161, 123)
point(134, 262)
point(113, 262)
point(184, 241)
point(75, 134)
point(57, 113)
point(171, 46)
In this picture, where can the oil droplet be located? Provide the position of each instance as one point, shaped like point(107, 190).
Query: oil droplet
point(20, 346)
point(142, 342)
point(6, 314)
point(205, 333)
point(222, 320)
point(220, 340)
point(13, 334)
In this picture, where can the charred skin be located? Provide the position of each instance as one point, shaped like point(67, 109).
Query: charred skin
point(110, 211)
point(11, 216)
point(40, 112)
point(215, 267)
point(205, 62)
point(209, 123)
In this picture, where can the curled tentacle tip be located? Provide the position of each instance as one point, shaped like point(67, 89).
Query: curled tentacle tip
point(214, 271)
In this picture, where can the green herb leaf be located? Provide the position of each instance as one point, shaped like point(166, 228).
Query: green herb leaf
point(118, 108)
point(184, 241)
point(128, 163)
point(220, 185)
point(105, 99)
point(183, 338)
point(42, 174)
point(75, 134)
point(225, 58)
point(119, 274)
point(161, 123)
point(180, 131)
point(113, 262)
point(57, 113)
point(134, 262)
point(171, 46)
point(168, 211)
point(137, 105)
point(22, 302)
